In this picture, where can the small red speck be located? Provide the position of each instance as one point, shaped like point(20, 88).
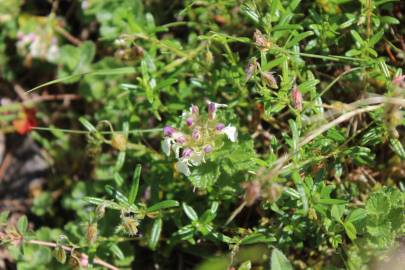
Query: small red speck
point(27, 122)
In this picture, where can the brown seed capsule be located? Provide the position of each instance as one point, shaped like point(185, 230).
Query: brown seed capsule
point(60, 254)
point(91, 233)
point(269, 79)
point(296, 98)
point(119, 142)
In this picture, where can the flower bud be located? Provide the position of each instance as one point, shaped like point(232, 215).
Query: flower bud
point(60, 254)
point(219, 127)
point(180, 139)
point(91, 233)
point(194, 110)
point(189, 121)
point(196, 134)
point(399, 81)
point(187, 152)
point(296, 98)
point(119, 142)
point(211, 110)
point(168, 131)
point(269, 79)
point(207, 148)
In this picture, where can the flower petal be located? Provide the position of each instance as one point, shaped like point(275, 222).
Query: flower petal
point(231, 133)
point(182, 167)
point(176, 149)
point(166, 146)
point(197, 158)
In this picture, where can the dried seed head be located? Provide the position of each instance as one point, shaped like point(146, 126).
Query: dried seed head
point(252, 192)
point(209, 58)
point(260, 40)
point(91, 233)
point(296, 98)
point(130, 225)
point(100, 211)
point(251, 68)
point(60, 254)
point(274, 192)
point(269, 79)
point(119, 142)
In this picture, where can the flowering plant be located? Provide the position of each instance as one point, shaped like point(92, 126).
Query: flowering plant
point(199, 135)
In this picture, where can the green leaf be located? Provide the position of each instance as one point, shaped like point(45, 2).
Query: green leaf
point(356, 215)
point(331, 201)
point(350, 230)
point(22, 224)
point(135, 184)
point(117, 195)
point(155, 233)
point(337, 212)
point(397, 147)
point(378, 204)
point(190, 212)
point(120, 161)
point(89, 126)
point(254, 238)
point(297, 38)
point(389, 20)
point(163, 205)
point(279, 261)
point(117, 251)
point(4, 217)
point(245, 266)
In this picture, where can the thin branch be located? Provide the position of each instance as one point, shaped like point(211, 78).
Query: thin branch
point(97, 260)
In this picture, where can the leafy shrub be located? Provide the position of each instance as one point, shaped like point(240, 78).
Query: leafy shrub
point(290, 156)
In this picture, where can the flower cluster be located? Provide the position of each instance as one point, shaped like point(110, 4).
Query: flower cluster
point(44, 46)
point(200, 135)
